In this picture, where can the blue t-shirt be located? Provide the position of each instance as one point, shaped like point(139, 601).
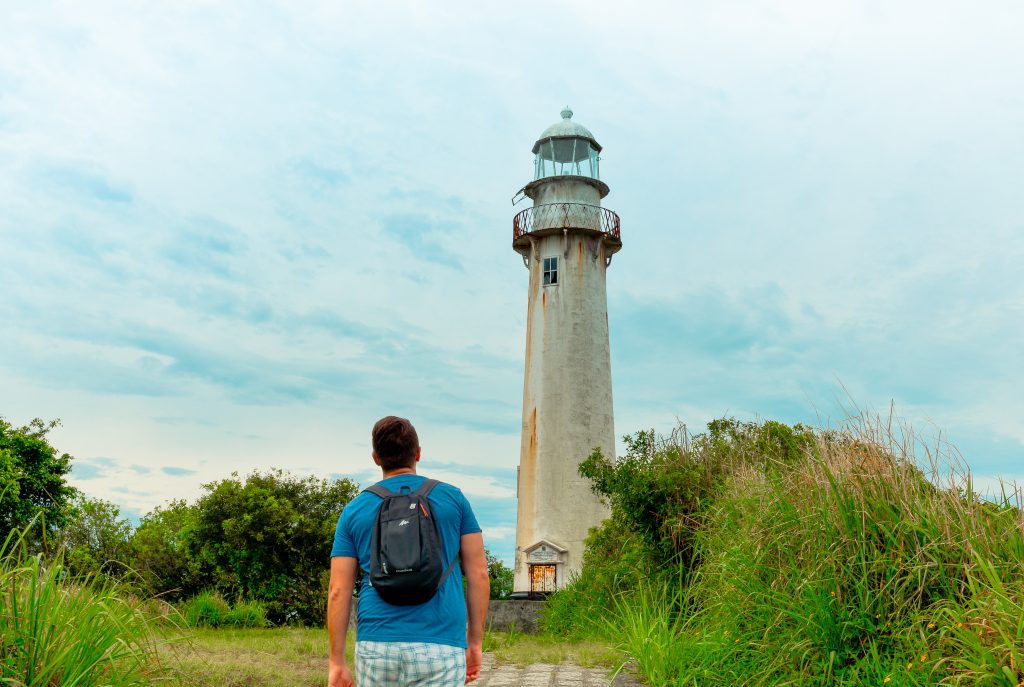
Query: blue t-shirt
point(442, 620)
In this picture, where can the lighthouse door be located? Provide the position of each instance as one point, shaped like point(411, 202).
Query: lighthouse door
point(542, 578)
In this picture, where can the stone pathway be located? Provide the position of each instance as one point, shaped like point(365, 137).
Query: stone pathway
point(546, 675)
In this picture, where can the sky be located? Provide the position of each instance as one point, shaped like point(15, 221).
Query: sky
point(235, 234)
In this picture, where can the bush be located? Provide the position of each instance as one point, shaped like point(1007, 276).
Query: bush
point(660, 492)
point(265, 538)
point(206, 609)
point(55, 631)
point(247, 614)
point(837, 564)
point(210, 609)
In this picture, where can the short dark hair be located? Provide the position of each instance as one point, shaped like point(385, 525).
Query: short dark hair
point(395, 442)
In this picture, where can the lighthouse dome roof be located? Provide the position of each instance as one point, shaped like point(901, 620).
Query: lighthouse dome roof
point(566, 128)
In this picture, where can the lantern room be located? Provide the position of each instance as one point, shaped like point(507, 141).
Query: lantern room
point(566, 148)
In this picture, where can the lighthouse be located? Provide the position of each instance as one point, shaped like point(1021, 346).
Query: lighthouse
point(566, 240)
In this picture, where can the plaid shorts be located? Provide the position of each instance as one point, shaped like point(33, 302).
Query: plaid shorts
point(409, 664)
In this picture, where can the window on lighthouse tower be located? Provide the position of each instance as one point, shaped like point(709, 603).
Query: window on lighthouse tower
point(550, 271)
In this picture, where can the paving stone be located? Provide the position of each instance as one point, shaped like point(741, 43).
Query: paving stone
point(547, 675)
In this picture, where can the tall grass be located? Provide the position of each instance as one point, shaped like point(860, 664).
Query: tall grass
point(210, 609)
point(847, 567)
point(58, 631)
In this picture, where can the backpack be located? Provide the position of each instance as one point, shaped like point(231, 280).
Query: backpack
point(406, 560)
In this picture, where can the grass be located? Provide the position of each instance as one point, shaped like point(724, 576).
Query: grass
point(297, 657)
point(516, 648)
point(210, 609)
point(845, 568)
point(278, 657)
point(55, 630)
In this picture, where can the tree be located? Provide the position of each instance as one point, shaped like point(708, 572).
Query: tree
point(97, 540)
point(162, 556)
point(32, 478)
point(268, 539)
point(501, 577)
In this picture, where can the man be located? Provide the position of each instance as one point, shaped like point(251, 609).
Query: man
point(438, 643)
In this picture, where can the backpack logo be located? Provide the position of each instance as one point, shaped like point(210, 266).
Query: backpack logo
point(403, 523)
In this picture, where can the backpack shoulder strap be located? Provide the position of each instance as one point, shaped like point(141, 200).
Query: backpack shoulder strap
point(424, 491)
point(380, 491)
point(427, 487)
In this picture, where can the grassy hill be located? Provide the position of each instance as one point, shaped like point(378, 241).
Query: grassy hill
point(762, 554)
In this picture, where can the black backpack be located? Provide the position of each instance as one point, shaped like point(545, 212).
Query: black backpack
point(406, 560)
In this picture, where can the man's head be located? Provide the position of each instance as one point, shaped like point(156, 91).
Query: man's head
point(395, 444)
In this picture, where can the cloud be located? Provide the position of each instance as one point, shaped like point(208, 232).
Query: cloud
point(177, 471)
point(86, 471)
point(227, 238)
point(421, 237)
point(207, 246)
point(86, 182)
point(499, 533)
point(93, 468)
point(475, 487)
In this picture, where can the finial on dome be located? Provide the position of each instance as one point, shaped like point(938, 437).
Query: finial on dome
point(566, 113)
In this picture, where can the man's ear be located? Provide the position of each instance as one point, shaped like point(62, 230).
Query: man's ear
point(418, 450)
point(376, 460)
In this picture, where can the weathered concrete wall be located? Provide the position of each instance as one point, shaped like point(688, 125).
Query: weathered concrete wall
point(567, 390)
point(523, 616)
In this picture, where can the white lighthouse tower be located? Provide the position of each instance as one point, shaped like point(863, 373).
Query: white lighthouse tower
point(567, 241)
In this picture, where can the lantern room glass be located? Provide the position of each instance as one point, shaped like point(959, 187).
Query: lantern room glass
point(571, 155)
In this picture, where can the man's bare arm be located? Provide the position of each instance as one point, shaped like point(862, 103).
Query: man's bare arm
point(339, 605)
point(478, 592)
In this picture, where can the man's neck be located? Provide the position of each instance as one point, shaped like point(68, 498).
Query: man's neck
point(399, 471)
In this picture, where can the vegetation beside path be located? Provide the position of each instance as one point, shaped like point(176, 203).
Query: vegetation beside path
point(763, 554)
point(297, 657)
point(753, 554)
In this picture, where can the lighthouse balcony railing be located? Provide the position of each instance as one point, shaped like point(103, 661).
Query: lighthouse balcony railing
point(558, 216)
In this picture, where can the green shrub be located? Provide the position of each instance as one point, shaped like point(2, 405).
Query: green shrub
point(210, 609)
point(822, 558)
point(660, 492)
point(59, 631)
point(246, 614)
point(206, 609)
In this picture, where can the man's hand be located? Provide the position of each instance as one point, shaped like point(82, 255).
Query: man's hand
point(474, 657)
point(340, 676)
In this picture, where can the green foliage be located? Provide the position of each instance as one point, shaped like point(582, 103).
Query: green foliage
point(267, 539)
point(660, 492)
point(247, 614)
point(648, 622)
point(207, 609)
point(660, 489)
point(33, 488)
point(161, 554)
point(210, 609)
point(500, 576)
point(802, 558)
point(55, 630)
point(97, 540)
